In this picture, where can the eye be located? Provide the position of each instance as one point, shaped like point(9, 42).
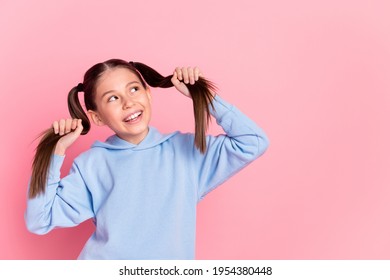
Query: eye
point(112, 98)
point(134, 90)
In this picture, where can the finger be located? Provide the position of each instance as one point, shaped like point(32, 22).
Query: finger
point(174, 79)
point(74, 124)
point(79, 127)
point(185, 75)
point(196, 73)
point(62, 127)
point(56, 127)
point(179, 74)
point(68, 125)
point(191, 77)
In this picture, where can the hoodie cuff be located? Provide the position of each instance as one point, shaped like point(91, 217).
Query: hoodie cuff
point(221, 107)
point(56, 162)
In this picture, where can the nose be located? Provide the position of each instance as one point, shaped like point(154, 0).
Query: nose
point(128, 102)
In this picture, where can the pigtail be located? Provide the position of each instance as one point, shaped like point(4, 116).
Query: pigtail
point(201, 93)
point(48, 142)
point(76, 110)
point(41, 162)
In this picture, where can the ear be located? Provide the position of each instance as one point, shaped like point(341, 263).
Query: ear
point(95, 118)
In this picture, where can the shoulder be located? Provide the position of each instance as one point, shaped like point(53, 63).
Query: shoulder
point(90, 156)
point(180, 139)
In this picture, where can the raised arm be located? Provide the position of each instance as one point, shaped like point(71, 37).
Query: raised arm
point(63, 203)
point(226, 154)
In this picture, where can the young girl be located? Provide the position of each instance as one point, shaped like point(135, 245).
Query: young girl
point(140, 187)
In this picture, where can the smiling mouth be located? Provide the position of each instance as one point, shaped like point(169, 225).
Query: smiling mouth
point(133, 117)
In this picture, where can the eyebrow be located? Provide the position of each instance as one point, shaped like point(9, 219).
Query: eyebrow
point(111, 91)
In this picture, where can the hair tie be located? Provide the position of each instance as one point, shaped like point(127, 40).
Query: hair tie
point(80, 87)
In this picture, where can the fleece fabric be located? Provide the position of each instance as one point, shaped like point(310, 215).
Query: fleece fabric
point(143, 198)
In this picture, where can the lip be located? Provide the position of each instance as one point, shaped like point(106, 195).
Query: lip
point(135, 121)
point(132, 113)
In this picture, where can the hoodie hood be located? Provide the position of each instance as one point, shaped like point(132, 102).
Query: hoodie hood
point(152, 139)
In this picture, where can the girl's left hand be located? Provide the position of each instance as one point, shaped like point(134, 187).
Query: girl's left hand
point(185, 75)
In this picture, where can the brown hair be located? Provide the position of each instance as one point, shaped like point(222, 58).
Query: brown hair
point(201, 93)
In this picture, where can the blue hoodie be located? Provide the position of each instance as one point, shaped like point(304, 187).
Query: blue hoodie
point(142, 198)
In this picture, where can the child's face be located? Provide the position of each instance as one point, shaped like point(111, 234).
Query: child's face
point(123, 104)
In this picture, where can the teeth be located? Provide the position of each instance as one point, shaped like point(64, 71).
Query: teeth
point(133, 116)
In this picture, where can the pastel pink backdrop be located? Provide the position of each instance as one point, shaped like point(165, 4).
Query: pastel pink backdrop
point(313, 74)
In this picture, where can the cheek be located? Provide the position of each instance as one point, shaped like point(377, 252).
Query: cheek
point(149, 97)
point(107, 114)
point(149, 109)
point(146, 102)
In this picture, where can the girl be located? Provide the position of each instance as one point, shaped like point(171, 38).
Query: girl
point(140, 187)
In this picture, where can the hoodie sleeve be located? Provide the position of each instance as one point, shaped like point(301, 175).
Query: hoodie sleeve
point(65, 203)
point(228, 153)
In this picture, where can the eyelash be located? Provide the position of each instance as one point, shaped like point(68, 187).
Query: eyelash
point(131, 94)
point(136, 89)
point(111, 98)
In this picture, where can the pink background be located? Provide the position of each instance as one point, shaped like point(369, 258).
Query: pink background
point(313, 74)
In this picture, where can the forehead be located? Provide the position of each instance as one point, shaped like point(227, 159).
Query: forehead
point(115, 79)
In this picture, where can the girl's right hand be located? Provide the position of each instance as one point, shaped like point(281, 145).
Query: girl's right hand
point(71, 129)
